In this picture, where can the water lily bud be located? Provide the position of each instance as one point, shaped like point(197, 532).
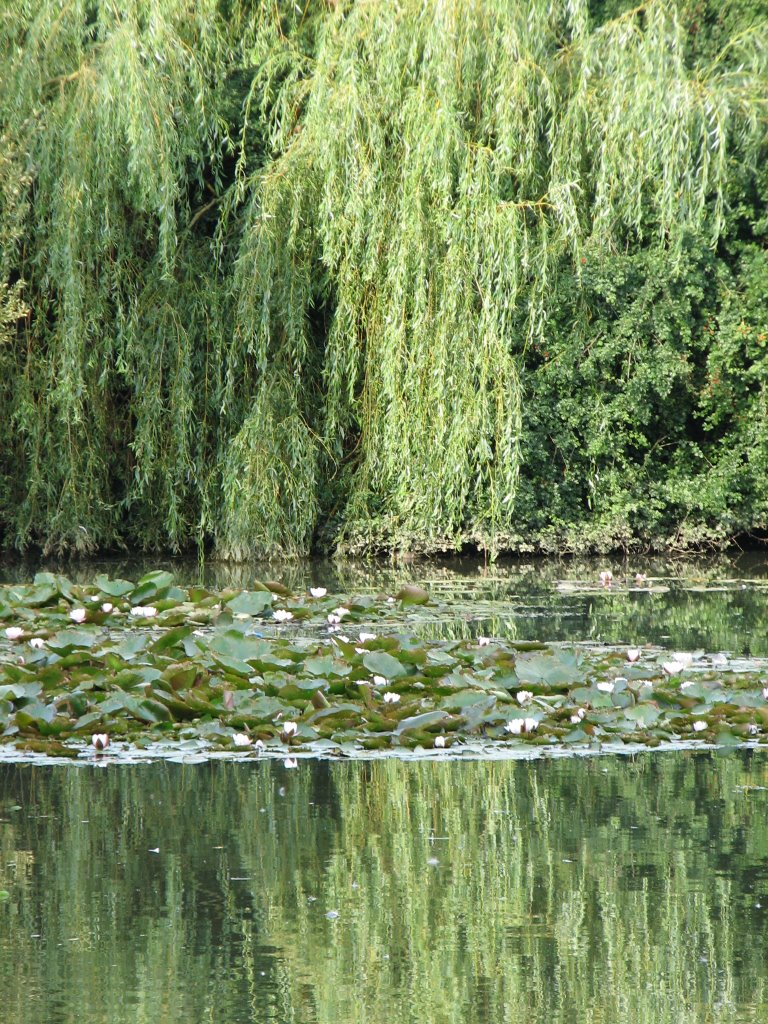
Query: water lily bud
point(523, 696)
point(260, 745)
point(391, 698)
point(100, 740)
point(77, 615)
point(289, 729)
point(107, 607)
point(318, 591)
point(483, 641)
point(14, 632)
point(241, 739)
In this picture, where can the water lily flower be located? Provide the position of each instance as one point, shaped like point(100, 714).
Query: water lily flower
point(37, 642)
point(515, 726)
point(672, 668)
point(77, 615)
point(100, 740)
point(640, 579)
point(683, 657)
point(333, 619)
point(529, 724)
point(687, 685)
point(718, 659)
point(523, 696)
point(575, 719)
point(341, 611)
point(633, 654)
point(14, 632)
point(260, 745)
point(606, 578)
point(483, 641)
point(578, 716)
point(753, 729)
point(379, 681)
point(290, 729)
point(318, 591)
point(606, 687)
point(699, 726)
point(144, 611)
point(241, 739)
point(365, 637)
point(107, 607)
point(765, 693)
point(439, 741)
point(290, 762)
point(281, 615)
point(390, 600)
point(391, 698)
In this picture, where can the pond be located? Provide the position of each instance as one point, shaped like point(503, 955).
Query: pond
point(583, 889)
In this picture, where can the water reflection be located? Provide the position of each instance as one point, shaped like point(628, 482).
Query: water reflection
point(599, 889)
point(718, 603)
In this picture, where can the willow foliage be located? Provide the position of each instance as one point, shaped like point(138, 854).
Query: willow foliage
point(289, 271)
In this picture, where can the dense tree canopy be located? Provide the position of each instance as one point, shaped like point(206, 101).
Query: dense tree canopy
point(382, 274)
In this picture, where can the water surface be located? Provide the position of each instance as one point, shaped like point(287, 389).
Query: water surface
point(588, 889)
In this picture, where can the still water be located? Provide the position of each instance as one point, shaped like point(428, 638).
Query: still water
point(600, 889)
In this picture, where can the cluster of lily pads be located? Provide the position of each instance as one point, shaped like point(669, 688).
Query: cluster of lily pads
point(266, 670)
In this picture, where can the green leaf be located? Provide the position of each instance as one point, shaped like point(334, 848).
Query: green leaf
point(380, 663)
point(250, 602)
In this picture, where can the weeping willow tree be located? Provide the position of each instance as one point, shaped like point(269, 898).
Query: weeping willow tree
point(361, 272)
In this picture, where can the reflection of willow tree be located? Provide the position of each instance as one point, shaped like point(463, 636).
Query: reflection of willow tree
point(623, 889)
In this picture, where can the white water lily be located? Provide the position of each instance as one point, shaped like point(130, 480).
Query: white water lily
point(718, 659)
point(606, 687)
point(333, 619)
point(14, 632)
point(515, 726)
point(765, 693)
point(318, 591)
point(633, 654)
point(523, 696)
point(390, 600)
point(672, 668)
point(365, 637)
point(687, 685)
point(341, 611)
point(77, 615)
point(753, 729)
point(379, 681)
point(281, 615)
point(439, 741)
point(683, 657)
point(483, 641)
point(37, 642)
point(107, 607)
point(100, 740)
point(290, 762)
point(529, 724)
point(144, 611)
point(391, 698)
point(290, 729)
point(241, 739)
point(699, 726)
point(578, 716)
point(260, 745)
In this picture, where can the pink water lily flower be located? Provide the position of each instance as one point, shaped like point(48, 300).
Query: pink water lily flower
point(241, 739)
point(77, 615)
point(14, 632)
point(100, 740)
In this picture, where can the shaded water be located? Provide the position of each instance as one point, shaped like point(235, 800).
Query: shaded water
point(587, 889)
